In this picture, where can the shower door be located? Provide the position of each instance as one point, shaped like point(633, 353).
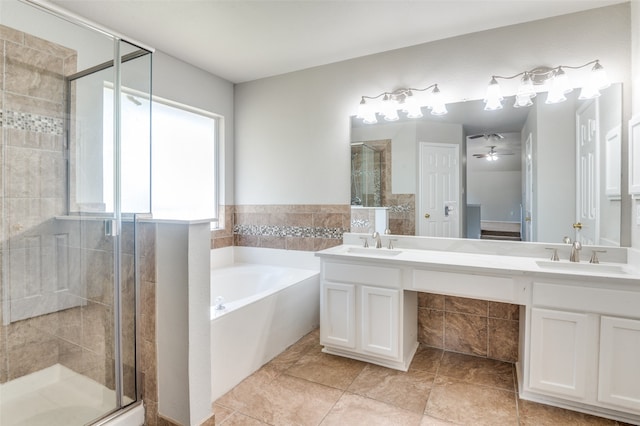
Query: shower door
point(68, 289)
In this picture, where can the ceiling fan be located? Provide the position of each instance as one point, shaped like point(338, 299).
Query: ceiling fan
point(487, 136)
point(492, 155)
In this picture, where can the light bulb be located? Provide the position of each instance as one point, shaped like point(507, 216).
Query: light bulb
point(390, 108)
point(555, 96)
point(589, 92)
point(370, 118)
point(411, 106)
point(598, 77)
point(363, 109)
point(526, 87)
point(561, 80)
point(522, 101)
point(438, 106)
point(493, 97)
point(559, 87)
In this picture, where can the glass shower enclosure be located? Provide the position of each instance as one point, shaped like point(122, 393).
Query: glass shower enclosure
point(366, 173)
point(69, 200)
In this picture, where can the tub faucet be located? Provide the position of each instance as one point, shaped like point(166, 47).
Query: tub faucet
point(376, 236)
point(575, 252)
point(219, 306)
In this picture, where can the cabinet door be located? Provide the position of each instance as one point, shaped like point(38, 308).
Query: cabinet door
point(619, 372)
point(380, 312)
point(559, 348)
point(338, 315)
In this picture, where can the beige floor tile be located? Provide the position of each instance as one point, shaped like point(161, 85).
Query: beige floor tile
point(432, 421)
point(308, 343)
point(246, 391)
point(335, 371)
point(357, 410)
point(238, 419)
point(286, 400)
point(470, 404)
point(409, 390)
point(534, 414)
point(426, 359)
point(477, 370)
point(222, 413)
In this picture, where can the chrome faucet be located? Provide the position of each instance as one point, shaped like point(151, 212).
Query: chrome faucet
point(376, 236)
point(575, 251)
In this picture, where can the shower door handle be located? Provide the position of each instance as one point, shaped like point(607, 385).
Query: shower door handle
point(111, 228)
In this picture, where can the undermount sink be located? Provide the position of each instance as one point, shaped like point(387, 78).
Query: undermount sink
point(583, 266)
point(382, 252)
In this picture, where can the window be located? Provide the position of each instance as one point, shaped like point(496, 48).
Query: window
point(184, 156)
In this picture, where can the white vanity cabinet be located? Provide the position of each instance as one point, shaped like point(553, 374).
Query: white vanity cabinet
point(585, 344)
point(365, 313)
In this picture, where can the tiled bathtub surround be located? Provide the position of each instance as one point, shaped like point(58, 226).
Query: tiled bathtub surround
point(470, 326)
point(223, 237)
point(291, 227)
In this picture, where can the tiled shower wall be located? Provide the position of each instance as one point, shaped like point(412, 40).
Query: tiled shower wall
point(65, 264)
point(33, 192)
point(401, 206)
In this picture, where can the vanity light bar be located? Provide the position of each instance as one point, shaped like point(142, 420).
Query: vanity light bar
point(400, 99)
point(559, 85)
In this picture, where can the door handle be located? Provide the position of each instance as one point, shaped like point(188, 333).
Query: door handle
point(577, 225)
point(427, 215)
point(527, 219)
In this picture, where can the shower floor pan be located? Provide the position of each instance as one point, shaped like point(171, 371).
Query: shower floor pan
point(55, 396)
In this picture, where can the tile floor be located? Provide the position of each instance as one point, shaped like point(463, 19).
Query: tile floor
point(303, 386)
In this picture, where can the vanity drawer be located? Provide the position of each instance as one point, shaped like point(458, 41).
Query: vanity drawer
point(488, 287)
point(363, 274)
point(589, 299)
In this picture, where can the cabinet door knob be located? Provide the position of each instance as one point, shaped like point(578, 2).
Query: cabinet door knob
point(427, 215)
point(577, 225)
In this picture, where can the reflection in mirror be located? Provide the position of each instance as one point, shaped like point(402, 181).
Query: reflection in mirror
point(534, 174)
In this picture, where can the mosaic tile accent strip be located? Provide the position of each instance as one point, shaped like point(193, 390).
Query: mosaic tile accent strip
point(288, 231)
point(401, 208)
point(360, 223)
point(32, 122)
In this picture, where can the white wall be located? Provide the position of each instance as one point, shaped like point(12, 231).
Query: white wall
point(498, 193)
point(292, 133)
point(555, 142)
point(635, 56)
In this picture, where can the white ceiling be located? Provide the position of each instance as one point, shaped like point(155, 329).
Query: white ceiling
point(246, 40)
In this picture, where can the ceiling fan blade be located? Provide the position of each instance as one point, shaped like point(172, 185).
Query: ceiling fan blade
point(480, 155)
point(477, 136)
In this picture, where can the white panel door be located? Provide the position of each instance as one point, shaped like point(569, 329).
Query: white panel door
point(438, 212)
point(619, 372)
point(587, 175)
point(559, 349)
point(380, 310)
point(338, 315)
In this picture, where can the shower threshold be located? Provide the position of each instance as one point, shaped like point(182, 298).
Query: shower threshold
point(54, 396)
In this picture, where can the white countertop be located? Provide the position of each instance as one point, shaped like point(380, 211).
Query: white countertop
point(486, 263)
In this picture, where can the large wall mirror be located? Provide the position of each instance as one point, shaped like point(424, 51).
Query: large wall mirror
point(532, 174)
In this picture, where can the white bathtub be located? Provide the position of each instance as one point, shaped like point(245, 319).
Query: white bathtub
point(267, 308)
